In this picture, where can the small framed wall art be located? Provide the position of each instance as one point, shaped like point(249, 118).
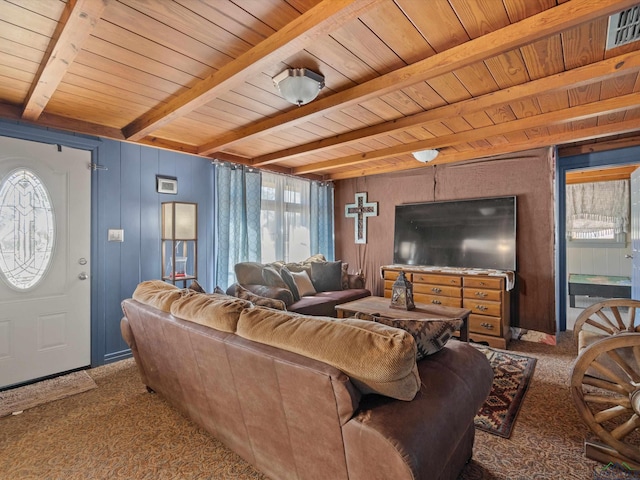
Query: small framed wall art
point(166, 184)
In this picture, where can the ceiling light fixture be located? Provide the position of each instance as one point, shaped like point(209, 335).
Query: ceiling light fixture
point(299, 85)
point(425, 156)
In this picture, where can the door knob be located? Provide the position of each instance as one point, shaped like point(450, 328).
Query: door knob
point(83, 276)
point(628, 256)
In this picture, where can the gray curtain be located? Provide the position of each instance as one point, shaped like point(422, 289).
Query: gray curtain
point(238, 219)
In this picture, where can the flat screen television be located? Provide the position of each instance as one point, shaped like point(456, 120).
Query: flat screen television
point(478, 233)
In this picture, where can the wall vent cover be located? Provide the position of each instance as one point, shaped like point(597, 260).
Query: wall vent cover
point(624, 27)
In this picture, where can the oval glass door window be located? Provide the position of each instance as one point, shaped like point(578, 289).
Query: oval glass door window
point(27, 230)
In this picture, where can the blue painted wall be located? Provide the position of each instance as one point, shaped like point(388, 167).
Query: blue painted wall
point(123, 192)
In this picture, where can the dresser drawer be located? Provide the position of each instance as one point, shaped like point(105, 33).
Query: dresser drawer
point(483, 294)
point(437, 279)
point(393, 274)
point(436, 300)
point(484, 282)
point(485, 325)
point(443, 290)
point(482, 307)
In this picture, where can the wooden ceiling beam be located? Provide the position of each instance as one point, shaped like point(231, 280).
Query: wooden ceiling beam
point(326, 16)
point(603, 70)
point(549, 22)
point(600, 146)
point(492, 151)
point(78, 20)
point(579, 112)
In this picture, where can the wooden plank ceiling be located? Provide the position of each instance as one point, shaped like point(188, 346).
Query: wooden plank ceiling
point(471, 78)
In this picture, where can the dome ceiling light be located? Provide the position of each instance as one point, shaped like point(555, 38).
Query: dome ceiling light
point(425, 156)
point(299, 85)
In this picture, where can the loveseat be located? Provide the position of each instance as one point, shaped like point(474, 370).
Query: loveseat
point(312, 287)
point(304, 397)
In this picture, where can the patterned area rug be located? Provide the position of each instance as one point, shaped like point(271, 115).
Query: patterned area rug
point(512, 374)
point(18, 399)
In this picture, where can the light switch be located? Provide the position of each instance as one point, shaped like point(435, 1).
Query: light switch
point(116, 235)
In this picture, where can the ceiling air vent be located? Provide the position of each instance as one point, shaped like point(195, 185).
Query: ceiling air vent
point(624, 27)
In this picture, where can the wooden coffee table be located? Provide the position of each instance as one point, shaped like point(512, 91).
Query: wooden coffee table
point(380, 306)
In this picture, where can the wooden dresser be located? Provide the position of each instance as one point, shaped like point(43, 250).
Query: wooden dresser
point(486, 296)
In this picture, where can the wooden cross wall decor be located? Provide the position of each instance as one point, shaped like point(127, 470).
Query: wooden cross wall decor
point(361, 210)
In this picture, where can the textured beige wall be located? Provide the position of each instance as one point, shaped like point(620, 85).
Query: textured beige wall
point(528, 175)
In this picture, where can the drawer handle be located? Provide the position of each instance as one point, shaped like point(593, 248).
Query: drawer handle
point(482, 308)
point(436, 302)
point(453, 281)
point(482, 283)
point(486, 325)
point(436, 290)
point(481, 294)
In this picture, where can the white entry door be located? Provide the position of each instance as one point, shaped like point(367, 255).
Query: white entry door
point(45, 211)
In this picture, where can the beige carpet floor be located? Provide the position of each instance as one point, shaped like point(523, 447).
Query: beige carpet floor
point(119, 431)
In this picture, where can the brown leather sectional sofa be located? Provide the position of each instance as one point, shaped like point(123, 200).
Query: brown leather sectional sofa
point(293, 416)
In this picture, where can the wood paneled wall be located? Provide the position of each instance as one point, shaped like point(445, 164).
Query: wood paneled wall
point(127, 199)
point(529, 176)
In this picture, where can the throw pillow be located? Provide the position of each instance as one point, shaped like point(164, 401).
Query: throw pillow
point(249, 273)
point(245, 294)
point(271, 277)
point(303, 283)
point(196, 287)
point(430, 334)
point(378, 359)
point(326, 276)
point(287, 277)
point(345, 276)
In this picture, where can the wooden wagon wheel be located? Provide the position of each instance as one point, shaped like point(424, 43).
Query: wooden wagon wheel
point(605, 318)
point(605, 387)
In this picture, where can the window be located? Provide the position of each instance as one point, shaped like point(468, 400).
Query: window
point(26, 229)
point(598, 212)
point(284, 218)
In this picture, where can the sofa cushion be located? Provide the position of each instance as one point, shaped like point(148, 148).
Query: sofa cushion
point(378, 359)
point(249, 272)
point(342, 296)
point(158, 294)
point(213, 310)
point(245, 294)
point(430, 334)
point(314, 305)
point(303, 283)
point(326, 276)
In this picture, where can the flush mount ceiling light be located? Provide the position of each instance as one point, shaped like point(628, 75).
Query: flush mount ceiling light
point(299, 85)
point(425, 156)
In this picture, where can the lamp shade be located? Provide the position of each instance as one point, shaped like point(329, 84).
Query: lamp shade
point(425, 156)
point(299, 85)
point(179, 221)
